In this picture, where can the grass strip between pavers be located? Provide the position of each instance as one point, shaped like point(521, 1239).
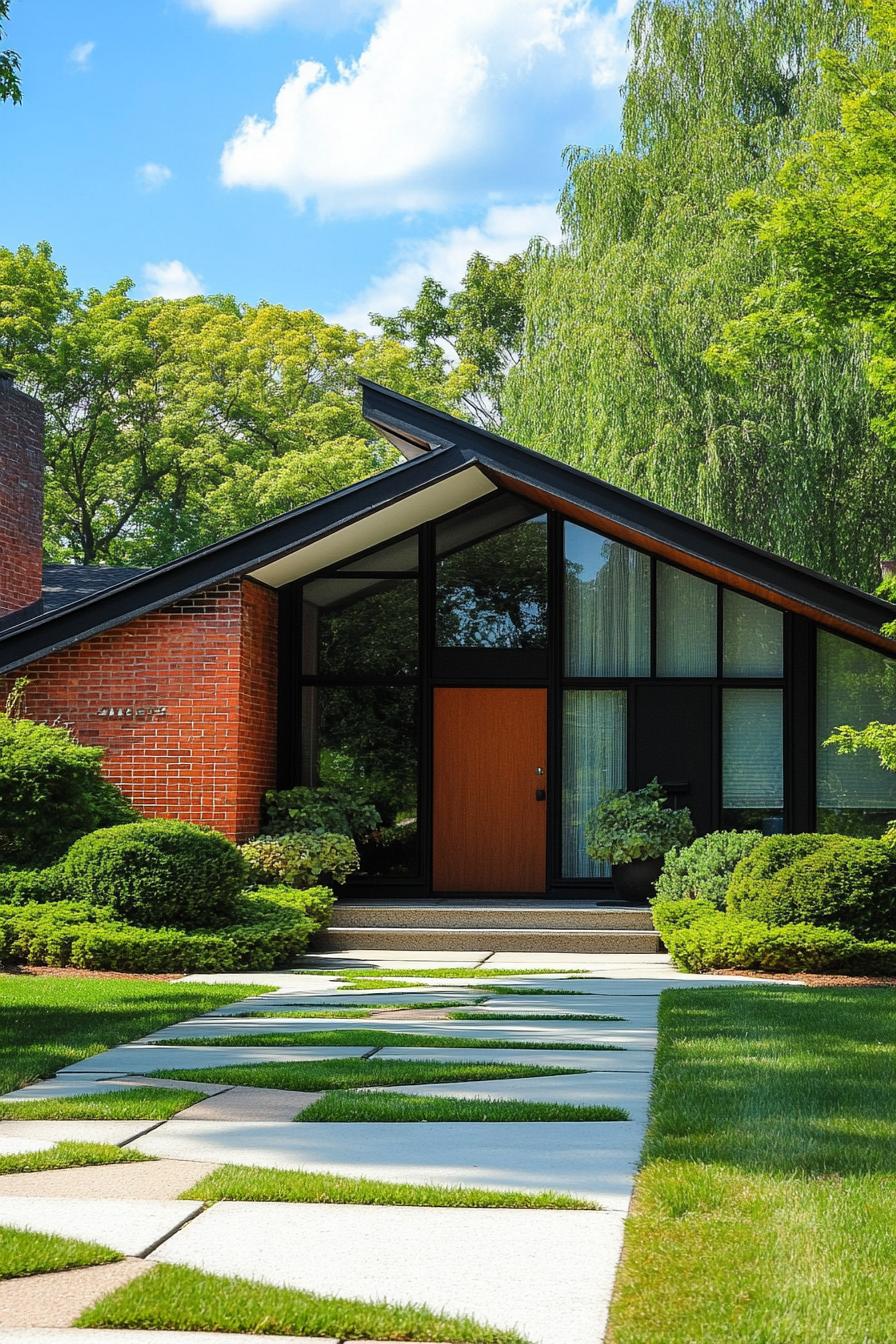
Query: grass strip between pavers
point(398, 1107)
point(557, 1016)
point(171, 1297)
point(68, 1154)
point(765, 1207)
point(373, 1036)
point(131, 1103)
point(324, 1187)
point(381, 986)
point(50, 1021)
point(433, 972)
point(363, 1010)
point(320, 1075)
point(42, 1253)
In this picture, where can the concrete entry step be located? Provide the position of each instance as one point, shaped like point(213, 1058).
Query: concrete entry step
point(339, 938)
point(485, 914)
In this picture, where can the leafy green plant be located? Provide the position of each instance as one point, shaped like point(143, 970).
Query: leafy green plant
point(338, 808)
point(300, 858)
point(18, 886)
point(703, 869)
point(844, 883)
point(51, 792)
point(764, 861)
point(626, 826)
point(158, 873)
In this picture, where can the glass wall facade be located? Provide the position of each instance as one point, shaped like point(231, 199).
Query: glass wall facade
point(856, 686)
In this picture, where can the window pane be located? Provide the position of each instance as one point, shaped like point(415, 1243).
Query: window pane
point(492, 577)
point(752, 638)
point(753, 758)
point(360, 627)
point(856, 686)
point(369, 734)
point(594, 762)
point(686, 630)
point(607, 607)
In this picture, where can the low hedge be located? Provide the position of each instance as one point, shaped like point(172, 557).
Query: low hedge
point(268, 928)
point(708, 940)
point(18, 886)
point(763, 863)
point(703, 869)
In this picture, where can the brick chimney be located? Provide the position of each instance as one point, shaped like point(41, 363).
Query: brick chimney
point(21, 496)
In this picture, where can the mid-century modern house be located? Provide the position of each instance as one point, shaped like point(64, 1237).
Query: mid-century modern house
point(487, 638)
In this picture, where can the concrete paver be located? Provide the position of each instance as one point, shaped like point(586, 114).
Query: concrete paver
point(145, 1059)
point(631, 1091)
point(589, 1159)
point(601, 1061)
point(251, 1103)
point(61, 1336)
point(78, 1131)
point(563, 1030)
point(122, 1180)
point(13, 1146)
point(131, 1226)
point(78, 1085)
point(430, 1256)
point(35, 1308)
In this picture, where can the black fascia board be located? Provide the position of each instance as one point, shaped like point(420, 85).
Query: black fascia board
point(245, 551)
point(651, 521)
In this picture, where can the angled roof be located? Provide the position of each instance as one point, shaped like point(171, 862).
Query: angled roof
point(450, 462)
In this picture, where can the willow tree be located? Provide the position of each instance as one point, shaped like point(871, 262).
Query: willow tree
point(655, 261)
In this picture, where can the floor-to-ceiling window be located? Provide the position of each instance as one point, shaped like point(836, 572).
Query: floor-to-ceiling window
point(856, 686)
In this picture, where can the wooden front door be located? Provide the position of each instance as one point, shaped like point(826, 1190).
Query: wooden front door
point(489, 822)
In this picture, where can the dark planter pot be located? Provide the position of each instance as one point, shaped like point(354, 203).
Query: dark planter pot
point(635, 881)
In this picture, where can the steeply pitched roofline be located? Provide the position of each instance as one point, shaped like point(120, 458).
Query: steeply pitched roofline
point(630, 518)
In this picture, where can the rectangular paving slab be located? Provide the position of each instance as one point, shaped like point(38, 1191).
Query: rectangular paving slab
point(631, 1091)
point(251, 1103)
point(145, 1059)
point(561, 1031)
point(56, 1300)
point(78, 1131)
point(12, 1145)
point(591, 1160)
point(132, 1226)
point(77, 1085)
point(144, 1336)
point(600, 1061)
point(161, 1179)
point(478, 1262)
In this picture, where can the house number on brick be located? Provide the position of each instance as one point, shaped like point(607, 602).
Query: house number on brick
point(132, 712)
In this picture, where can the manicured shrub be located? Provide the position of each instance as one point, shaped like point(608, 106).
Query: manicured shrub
point(51, 792)
point(635, 824)
point(671, 915)
point(764, 861)
point(338, 808)
point(158, 874)
point(300, 858)
point(718, 941)
point(18, 886)
point(269, 928)
point(848, 884)
point(703, 869)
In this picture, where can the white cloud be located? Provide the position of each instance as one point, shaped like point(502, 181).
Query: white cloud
point(170, 280)
point(432, 108)
point(254, 13)
point(505, 229)
point(81, 53)
point(151, 176)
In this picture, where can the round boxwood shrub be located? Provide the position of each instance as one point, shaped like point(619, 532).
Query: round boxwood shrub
point(702, 870)
point(160, 874)
point(300, 858)
point(51, 792)
point(847, 884)
point(765, 860)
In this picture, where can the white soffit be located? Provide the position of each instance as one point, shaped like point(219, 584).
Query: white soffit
point(376, 527)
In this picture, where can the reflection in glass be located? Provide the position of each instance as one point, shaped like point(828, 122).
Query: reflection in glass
point(360, 627)
point(369, 735)
point(856, 686)
point(752, 638)
point(594, 762)
point(686, 629)
point(491, 577)
point(753, 759)
point(607, 606)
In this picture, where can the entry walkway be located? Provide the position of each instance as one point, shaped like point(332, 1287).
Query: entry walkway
point(546, 1273)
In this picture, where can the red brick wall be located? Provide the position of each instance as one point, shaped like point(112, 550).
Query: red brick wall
point(21, 497)
point(210, 662)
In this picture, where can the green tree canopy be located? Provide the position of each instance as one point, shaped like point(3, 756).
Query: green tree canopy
point(172, 423)
point(10, 86)
point(619, 318)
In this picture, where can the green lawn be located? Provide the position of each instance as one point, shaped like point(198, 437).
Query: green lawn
point(323, 1187)
point(319, 1075)
point(373, 1036)
point(68, 1154)
point(132, 1103)
point(48, 1021)
point(40, 1253)
point(343, 1107)
point(766, 1207)
point(170, 1297)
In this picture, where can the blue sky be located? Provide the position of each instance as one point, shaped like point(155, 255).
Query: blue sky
point(316, 153)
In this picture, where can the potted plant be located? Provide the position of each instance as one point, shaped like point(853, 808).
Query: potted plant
point(632, 830)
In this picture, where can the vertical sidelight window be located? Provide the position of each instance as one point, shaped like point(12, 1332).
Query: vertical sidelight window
point(856, 686)
point(753, 759)
point(594, 762)
point(686, 625)
point(752, 637)
point(607, 618)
